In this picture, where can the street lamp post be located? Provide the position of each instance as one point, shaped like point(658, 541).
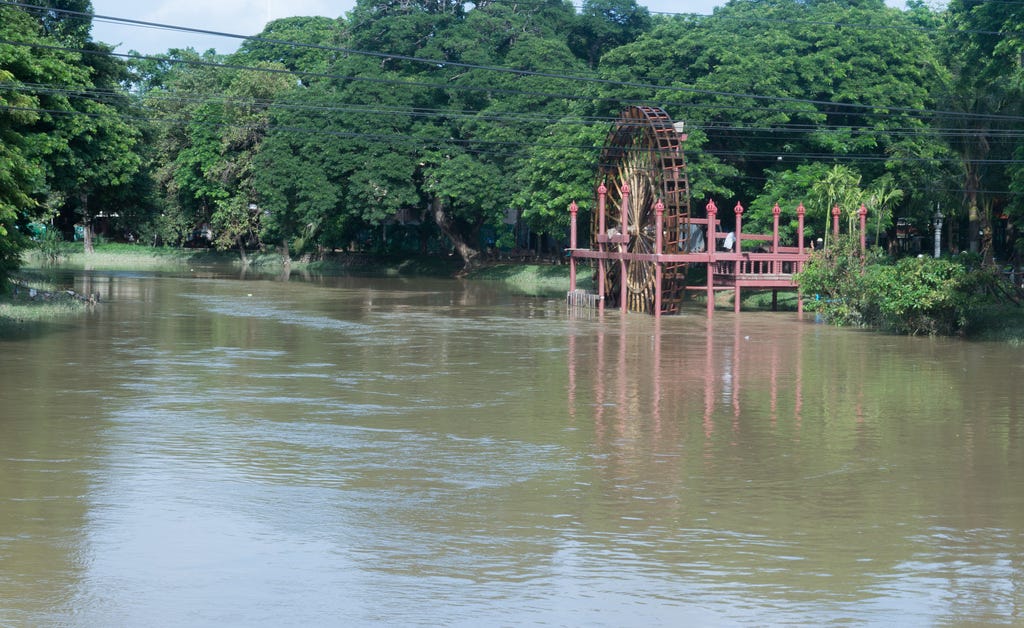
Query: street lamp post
point(938, 232)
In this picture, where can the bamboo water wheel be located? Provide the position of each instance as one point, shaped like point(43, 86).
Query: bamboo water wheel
point(643, 150)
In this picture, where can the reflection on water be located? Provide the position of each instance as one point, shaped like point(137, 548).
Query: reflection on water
point(212, 451)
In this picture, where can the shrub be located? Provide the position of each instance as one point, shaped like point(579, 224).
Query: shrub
point(915, 295)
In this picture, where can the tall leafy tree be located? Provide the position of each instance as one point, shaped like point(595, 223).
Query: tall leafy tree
point(24, 145)
point(987, 93)
point(250, 95)
point(300, 44)
point(770, 99)
point(100, 152)
point(184, 91)
point(66, 137)
point(606, 24)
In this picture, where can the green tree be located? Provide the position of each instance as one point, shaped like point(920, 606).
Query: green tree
point(246, 110)
point(300, 44)
point(99, 156)
point(987, 96)
point(606, 24)
point(61, 139)
point(775, 98)
point(184, 93)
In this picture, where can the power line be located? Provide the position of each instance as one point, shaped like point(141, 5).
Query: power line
point(550, 95)
point(777, 133)
point(441, 63)
point(799, 156)
point(404, 138)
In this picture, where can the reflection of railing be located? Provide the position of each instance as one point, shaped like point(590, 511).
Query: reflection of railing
point(626, 385)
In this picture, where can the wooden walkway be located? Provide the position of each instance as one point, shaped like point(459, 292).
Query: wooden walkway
point(755, 261)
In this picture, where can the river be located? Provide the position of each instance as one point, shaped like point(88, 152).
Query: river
point(202, 450)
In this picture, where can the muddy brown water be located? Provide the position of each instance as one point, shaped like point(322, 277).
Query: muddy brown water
point(209, 451)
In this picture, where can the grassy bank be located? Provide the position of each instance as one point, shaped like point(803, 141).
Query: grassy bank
point(535, 280)
point(119, 257)
point(167, 259)
point(531, 279)
point(31, 299)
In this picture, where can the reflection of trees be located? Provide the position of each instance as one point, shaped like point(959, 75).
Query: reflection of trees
point(48, 448)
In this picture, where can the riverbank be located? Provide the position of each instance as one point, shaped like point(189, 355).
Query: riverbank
point(31, 299)
point(1000, 324)
point(532, 279)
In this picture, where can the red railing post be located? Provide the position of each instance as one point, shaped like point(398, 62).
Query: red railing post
point(602, 193)
point(573, 208)
point(712, 211)
point(739, 226)
point(800, 211)
point(775, 237)
point(624, 248)
point(624, 222)
point(863, 213)
point(659, 213)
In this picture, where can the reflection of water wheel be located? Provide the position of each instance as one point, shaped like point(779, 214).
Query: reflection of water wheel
point(643, 150)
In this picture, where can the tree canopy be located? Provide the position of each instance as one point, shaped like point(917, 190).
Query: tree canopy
point(459, 120)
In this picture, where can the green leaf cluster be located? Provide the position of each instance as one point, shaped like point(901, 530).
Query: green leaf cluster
point(914, 295)
point(447, 118)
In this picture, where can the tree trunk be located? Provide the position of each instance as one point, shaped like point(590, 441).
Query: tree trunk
point(87, 233)
point(971, 184)
point(468, 254)
point(985, 227)
point(286, 256)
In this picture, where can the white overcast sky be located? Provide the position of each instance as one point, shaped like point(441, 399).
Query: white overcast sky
point(243, 17)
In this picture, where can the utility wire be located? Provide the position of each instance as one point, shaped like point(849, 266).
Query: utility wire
point(441, 63)
point(404, 138)
point(796, 131)
point(855, 107)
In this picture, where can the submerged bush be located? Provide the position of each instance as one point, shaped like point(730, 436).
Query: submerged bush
point(914, 295)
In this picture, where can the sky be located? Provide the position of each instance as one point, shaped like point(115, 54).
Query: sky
point(243, 17)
